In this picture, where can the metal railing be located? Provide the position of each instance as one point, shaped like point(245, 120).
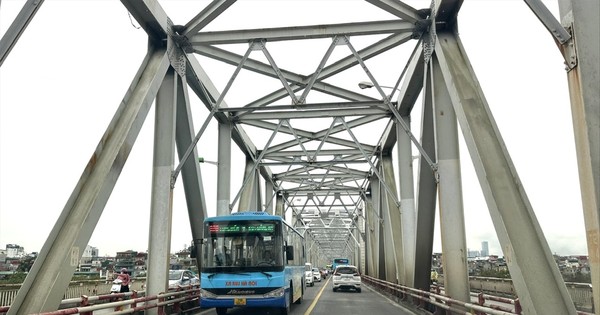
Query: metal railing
point(581, 293)
point(433, 301)
point(430, 301)
point(8, 292)
point(183, 299)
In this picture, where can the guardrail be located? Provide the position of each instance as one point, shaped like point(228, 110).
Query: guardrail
point(8, 292)
point(430, 301)
point(183, 299)
point(581, 293)
point(433, 301)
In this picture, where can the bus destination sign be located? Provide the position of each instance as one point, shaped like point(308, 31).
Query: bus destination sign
point(230, 227)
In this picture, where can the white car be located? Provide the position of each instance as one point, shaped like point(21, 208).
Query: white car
point(346, 277)
point(310, 280)
point(182, 278)
point(316, 274)
point(308, 275)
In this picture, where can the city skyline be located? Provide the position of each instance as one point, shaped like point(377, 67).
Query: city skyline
point(100, 253)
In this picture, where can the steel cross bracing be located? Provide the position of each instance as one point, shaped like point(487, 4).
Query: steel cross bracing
point(321, 147)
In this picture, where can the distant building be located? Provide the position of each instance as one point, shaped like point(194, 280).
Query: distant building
point(485, 250)
point(472, 253)
point(126, 260)
point(85, 263)
point(14, 251)
point(90, 252)
point(140, 264)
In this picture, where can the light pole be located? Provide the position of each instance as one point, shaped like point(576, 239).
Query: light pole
point(367, 85)
point(202, 160)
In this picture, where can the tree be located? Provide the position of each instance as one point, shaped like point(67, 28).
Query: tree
point(26, 263)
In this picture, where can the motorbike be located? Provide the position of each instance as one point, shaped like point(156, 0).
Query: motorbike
point(116, 286)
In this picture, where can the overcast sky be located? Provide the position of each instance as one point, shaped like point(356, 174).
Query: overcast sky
point(63, 81)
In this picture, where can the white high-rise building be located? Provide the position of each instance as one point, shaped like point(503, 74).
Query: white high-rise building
point(485, 250)
point(14, 251)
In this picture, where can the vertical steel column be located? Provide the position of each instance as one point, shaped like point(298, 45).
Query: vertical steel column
point(583, 53)
point(250, 196)
point(357, 251)
point(380, 230)
point(407, 201)
point(247, 193)
point(373, 224)
point(368, 222)
point(452, 218)
point(394, 219)
point(540, 287)
point(426, 195)
point(279, 205)
point(224, 169)
point(190, 172)
point(363, 244)
point(269, 194)
point(161, 207)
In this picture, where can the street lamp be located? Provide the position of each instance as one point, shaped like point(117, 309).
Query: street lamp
point(202, 160)
point(367, 85)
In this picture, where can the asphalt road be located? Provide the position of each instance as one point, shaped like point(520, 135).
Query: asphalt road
point(321, 300)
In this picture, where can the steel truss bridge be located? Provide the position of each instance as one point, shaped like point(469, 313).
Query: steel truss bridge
point(325, 156)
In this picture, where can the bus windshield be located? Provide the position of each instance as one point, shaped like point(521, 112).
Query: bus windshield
point(250, 245)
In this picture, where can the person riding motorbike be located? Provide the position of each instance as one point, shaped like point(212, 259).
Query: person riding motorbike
point(125, 280)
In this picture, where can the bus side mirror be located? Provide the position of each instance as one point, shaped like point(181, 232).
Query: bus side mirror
point(289, 252)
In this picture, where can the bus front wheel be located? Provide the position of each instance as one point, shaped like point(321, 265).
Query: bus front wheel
point(286, 309)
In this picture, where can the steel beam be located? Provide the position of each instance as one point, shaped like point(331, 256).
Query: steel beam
point(224, 169)
point(49, 276)
point(18, 26)
point(161, 205)
point(583, 53)
point(540, 286)
point(394, 224)
point(301, 32)
point(407, 202)
point(207, 15)
point(426, 193)
point(190, 172)
point(452, 218)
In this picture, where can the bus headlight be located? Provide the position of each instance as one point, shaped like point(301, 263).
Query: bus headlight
point(276, 293)
point(207, 294)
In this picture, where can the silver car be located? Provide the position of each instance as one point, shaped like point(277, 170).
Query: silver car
point(346, 277)
point(182, 278)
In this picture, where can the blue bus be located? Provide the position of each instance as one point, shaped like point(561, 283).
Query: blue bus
point(339, 261)
point(251, 259)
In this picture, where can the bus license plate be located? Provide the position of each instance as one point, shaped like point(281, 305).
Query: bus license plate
point(239, 301)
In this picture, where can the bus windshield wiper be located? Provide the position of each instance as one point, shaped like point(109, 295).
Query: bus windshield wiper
point(237, 272)
point(211, 275)
point(266, 274)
